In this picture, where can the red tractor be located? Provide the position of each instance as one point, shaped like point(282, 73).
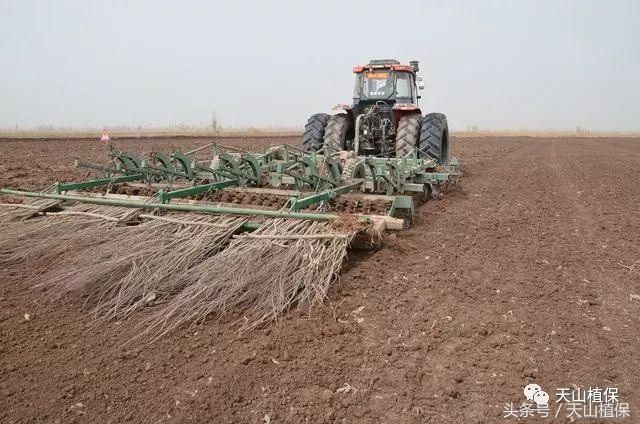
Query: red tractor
point(384, 119)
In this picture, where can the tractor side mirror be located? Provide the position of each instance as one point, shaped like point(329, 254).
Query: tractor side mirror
point(420, 84)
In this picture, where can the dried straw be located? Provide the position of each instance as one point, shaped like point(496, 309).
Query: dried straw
point(151, 268)
point(283, 263)
point(36, 244)
point(118, 268)
point(12, 212)
point(199, 259)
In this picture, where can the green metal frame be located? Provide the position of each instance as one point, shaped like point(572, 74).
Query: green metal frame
point(323, 196)
point(210, 209)
point(166, 196)
point(316, 175)
point(404, 203)
point(60, 187)
point(312, 171)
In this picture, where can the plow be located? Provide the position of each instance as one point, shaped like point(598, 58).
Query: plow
point(218, 230)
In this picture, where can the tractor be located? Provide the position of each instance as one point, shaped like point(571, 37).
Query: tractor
point(384, 120)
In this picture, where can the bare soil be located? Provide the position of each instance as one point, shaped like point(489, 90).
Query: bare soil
point(523, 274)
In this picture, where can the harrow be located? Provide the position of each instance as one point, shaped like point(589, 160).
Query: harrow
point(215, 230)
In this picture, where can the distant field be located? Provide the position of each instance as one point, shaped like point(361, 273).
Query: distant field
point(544, 133)
point(287, 132)
point(148, 133)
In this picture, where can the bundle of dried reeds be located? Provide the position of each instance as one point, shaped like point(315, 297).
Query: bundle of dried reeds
point(117, 268)
point(158, 253)
point(201, 259)
point(262, 274)
point(13, 211)
point(36, 244)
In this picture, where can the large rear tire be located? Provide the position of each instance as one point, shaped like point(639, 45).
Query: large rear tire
point(314, 132)
point(335, 134)
point(434, 138)
point(408, 134)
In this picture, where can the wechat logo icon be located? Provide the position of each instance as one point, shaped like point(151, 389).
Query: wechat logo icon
point(535, 393)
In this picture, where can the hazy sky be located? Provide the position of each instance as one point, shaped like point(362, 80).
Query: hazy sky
point(494, 64)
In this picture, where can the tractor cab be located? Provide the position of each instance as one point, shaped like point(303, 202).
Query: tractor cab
point(387, 80)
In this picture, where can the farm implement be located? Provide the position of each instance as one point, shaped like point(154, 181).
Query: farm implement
point(230, 231)
point(219, 230)
point(282, 182)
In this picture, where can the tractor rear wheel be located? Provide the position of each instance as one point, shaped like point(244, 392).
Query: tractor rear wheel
point(408, 134)
point(335, 134)
point(314, 132)
point(434, 138)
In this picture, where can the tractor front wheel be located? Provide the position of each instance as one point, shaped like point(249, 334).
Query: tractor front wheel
point(314, 132)
point(408, 134)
